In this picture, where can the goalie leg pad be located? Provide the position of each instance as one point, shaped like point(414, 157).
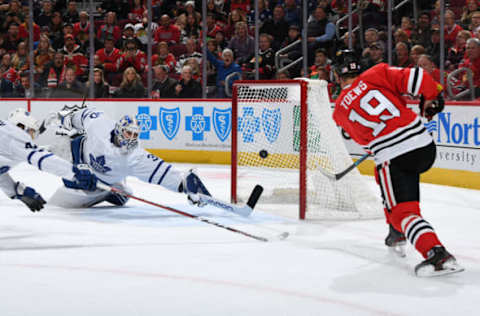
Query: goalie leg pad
point(193, 184)
point(76, 146)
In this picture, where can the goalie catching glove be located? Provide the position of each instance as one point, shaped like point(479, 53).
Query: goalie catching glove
point(65, 124)
point(28, 196)
point(429, 108)
point(192, 186)
point(83, 179)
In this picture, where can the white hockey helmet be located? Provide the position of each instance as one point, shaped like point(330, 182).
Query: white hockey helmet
point(126, 133)
point(23, 119)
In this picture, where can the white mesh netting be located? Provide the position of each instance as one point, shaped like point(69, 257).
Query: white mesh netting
point(268, 152)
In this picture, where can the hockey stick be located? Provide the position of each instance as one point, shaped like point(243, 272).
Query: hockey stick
point(244, 210)
point(338, 176)
point(174, 210)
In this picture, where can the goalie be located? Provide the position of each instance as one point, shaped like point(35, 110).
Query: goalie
point(372, 111)
point(16, 135)
point(111, 150)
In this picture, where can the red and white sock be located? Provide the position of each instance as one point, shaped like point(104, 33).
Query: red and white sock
point(420, 234)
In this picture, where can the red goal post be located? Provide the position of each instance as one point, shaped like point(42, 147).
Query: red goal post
point(282, 133)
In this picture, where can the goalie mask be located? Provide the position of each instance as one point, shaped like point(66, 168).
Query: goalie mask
point(23, 119)
point(126, 133)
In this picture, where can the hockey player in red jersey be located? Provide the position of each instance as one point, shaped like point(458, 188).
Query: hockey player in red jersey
point(372, 111)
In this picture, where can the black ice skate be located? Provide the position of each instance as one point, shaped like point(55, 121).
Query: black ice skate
point(396, 242)
point(439, 262)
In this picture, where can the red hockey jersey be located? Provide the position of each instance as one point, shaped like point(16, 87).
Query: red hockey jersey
point(109, 60)
point(373, 112)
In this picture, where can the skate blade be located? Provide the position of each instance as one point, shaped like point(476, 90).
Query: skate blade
point(450, 268)
point(398, 250)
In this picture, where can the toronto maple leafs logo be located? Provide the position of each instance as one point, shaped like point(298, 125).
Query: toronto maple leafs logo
point(98, 164)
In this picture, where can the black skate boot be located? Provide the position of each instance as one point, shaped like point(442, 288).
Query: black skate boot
point(439, 262)
point(396, 242)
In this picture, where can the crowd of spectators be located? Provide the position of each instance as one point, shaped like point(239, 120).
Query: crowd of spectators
point(62, 48)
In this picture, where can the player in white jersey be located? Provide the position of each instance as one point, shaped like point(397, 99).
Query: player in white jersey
point(111, 150)
point(16, 146)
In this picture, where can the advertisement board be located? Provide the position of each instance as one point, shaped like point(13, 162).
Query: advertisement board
point(200, 131)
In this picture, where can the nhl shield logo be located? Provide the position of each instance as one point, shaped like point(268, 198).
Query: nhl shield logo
point(170, 122)
point(222, 122)
point(271, 122)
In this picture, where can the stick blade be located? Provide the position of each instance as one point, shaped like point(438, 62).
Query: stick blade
point(254, 196)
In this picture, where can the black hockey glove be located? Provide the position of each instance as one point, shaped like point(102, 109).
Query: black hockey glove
point(28, 196)
point(435, 107)
point(84, 179)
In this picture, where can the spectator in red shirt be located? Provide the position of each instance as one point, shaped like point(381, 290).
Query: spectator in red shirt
point(212, 27)
point(456, 53)
point(472, 61)
point(167, 32)
point(109, 28)
point(136, 13)
point(132, 57)
point(7, 71)
point(81, 28)
point(451, 28)
point(164, 57)
point(244, 5)
point(74, 58)
point(109, 57)
point(406, 25)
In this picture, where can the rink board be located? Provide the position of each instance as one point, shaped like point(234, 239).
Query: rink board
point(199, 131)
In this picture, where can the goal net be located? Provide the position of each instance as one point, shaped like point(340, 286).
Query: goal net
point(282, 135)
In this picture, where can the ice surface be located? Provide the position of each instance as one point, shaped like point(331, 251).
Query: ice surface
point(142, 260)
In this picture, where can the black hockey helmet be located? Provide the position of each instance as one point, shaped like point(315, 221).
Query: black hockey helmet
point(346, 63)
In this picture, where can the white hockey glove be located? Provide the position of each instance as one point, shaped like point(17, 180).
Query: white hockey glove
point(65, 124)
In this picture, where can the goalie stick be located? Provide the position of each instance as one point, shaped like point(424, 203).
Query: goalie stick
point(338, 176)
point(244, 210)
point(174, 210)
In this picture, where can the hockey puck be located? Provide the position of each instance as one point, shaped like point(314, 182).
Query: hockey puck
point(263, 153)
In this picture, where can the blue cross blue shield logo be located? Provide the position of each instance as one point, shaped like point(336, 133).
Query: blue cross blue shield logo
point(222, 122)
point(146, 121)
point(248, 125)
point(169, 122)
point(271, 123)
point(198, 123)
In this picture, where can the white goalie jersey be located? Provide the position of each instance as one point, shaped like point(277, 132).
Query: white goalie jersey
point(16, 146)
point(108, 162)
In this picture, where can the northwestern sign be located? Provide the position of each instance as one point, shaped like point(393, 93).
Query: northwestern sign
point(451, 131)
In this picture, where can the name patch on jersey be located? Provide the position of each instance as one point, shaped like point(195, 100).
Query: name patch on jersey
point(351, 95)
point(98, 164)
